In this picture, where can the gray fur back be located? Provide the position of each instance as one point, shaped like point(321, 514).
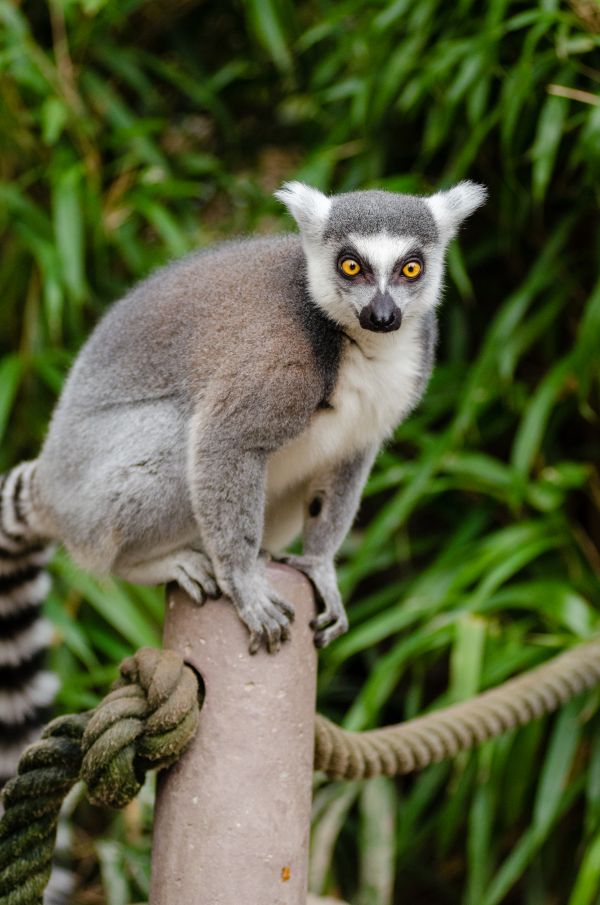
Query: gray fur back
point(124, 416)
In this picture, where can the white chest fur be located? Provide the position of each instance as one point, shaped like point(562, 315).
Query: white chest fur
point(375, 390)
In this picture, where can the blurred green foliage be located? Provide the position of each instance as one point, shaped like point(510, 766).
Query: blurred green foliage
point(131, 131)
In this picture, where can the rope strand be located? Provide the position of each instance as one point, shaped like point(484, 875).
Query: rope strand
point(152, 714)
point(429, 739)
point(145, 723)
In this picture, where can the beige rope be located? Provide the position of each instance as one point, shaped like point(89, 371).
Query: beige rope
point(417, 743)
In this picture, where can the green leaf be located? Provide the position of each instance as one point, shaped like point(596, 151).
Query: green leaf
point(267, 23)
point(530, 434)
point(68, 229)
point(54, 115)
point(467, 657)
point(553, 795)
point(378, 838)
point(592, 817)
point(557, 765)
point(11, 374)
point(547, 141)
point(331, 806)
point(587, 884)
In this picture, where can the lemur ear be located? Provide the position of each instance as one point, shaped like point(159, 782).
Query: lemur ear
point(309, 207)
point(450, 208)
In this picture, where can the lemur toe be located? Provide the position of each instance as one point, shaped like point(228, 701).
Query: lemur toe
point(276, 628)
point(286, 609)
point(211, 588)
point(191, 587)
point(194, 574)
point(266, 615)
point(272, 638)
point(255, 642)
point(269, 625)
point(328, 626)
point(325, 636)
point(274, 642)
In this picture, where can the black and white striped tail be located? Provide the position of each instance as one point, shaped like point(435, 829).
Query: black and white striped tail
point(26, 689)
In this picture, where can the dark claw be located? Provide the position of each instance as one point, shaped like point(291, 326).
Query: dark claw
point(329, 630)
point(273, 644)
point(322, 639)
point(286, 609)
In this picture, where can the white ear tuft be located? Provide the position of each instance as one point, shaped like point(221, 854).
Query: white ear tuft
point(309, 207)
point(450, 208)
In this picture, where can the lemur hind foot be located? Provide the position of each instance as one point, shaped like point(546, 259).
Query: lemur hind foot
point(188, 568)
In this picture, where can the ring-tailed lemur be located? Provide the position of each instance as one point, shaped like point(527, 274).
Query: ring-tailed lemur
point(231, 399)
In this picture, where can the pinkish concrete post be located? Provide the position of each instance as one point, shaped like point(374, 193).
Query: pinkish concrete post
point(232, 817)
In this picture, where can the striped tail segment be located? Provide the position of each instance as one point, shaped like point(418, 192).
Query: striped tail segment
point(26, 689)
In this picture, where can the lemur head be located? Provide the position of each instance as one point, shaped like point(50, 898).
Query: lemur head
point(375, 257)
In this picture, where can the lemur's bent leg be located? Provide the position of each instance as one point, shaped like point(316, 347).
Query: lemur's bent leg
point(228, 494)
point(331, 506)
point(190, 568)
point(251, 411)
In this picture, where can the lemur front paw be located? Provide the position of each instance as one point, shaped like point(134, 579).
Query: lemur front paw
point(193, 572)
point(266, 615)
point(332, 620)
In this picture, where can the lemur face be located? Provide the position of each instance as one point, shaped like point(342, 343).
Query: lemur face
point(374, 258)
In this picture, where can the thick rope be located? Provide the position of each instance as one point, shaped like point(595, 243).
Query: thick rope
point(150, 717)
point(429, 739)
point(145, 723)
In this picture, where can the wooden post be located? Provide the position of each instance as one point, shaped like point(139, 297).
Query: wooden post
point(232, 817)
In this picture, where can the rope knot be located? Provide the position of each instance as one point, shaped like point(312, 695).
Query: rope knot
point(152, 714)
point(144, 723)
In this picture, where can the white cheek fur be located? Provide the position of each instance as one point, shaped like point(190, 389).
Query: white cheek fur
point(324, 286)
point(382, 251)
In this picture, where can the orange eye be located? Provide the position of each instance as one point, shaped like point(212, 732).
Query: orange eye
point(412, 269)
point(350, 267)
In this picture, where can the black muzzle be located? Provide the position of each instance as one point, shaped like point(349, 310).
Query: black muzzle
point(381, 315)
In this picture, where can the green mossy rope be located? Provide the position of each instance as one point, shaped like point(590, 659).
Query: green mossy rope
point(145, 723)
point(150, 717)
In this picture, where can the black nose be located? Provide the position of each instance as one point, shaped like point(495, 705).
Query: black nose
point(382, 321)
point(381, 315)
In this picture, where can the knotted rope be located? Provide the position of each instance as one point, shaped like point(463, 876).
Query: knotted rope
point(145, 723)
point(150, 717)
